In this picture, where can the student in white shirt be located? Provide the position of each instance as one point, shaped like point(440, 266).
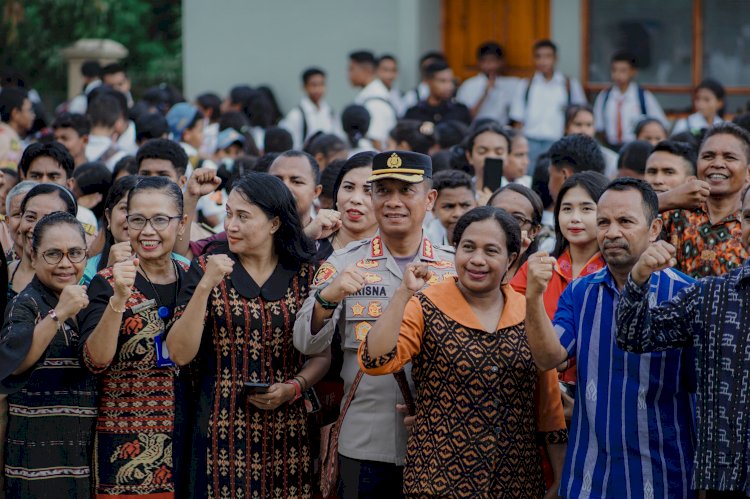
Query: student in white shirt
point(373, 96)
point(489, 95)
point(709, 104)
point(105, 115)
point(209, 104)
point(312, 114)
point(539, 104)
point(618, 109)
point(387, 72)
point(580, 119)
point(421, 91)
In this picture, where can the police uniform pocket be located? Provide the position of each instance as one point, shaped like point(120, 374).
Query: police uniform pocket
point(360, 313)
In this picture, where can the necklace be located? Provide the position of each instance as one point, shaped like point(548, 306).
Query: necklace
point(163, 311)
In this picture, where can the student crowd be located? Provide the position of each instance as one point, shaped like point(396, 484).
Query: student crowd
point(485, 290)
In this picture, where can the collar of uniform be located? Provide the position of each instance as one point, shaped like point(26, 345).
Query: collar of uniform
point(557, 77)
point(426, 249)
point(564, 265)
point(310, 106)
point(448, 298)
point(273, 289)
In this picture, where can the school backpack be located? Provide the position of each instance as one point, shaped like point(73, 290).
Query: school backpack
point(641, 99)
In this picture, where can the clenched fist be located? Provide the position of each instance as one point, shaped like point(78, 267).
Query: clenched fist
point(346, 283)
point(124, 277)
point(203, 181)
point(415, 277)
point(658, 256)
point(217, 268)
point(73, 299)
point(539, 273)
point(120, 252)
point(324, 224)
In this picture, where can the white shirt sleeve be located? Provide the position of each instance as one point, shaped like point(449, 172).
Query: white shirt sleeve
point(293, 124)
point(680, 126)
point(577, 95)
point(518, 104)
point(654, 110)
point(467, 93)
point(382, 120)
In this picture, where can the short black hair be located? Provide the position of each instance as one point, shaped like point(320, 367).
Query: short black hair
point(264, 162)
point(113, 68)
point(742, 120)
point(310, 72)
point(490, 48)
point(545, 43)
point(51, 220)
point(91, 69)
point(210, 101)
point(314, 167)
point(54, 150)
point(151, 126)
point(435, 67)
point(451, 179)
point(713, 86)
point(328, 178)
point(420, 136)
point(78, 122)
point(164, 149)
point(363, 57)
point(450, 133)
point(41, 189)
point(623, 56)
point(684, 150)
point(326, 144)
point(387, 57)
point(578, 152)
point(162, 184)
point(105, 109)
point(431, 55)
point(634, 155)
point(650, 199)
point(727, 128)
point(10, 99)
point(478, 128)
point(508, 224)
point(126, 163)
point(277, 139)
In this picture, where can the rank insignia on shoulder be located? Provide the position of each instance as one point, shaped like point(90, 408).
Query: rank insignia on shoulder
point(376, 247)
point(324, 274)
point(449, 275)
point(361, 330)
point(367, 264)
point(374, 309)
point(371, 278)
point(441, 264)
point(427, 251)
point(434, 279)
point(357, 309)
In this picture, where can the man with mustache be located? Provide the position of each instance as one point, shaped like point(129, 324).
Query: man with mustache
point(631, 433)
point(708, 238)
point(712, 316)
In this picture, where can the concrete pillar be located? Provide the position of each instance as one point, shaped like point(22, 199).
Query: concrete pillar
point(89, 49)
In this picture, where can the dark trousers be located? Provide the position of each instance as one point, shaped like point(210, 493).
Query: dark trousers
point(369, 479)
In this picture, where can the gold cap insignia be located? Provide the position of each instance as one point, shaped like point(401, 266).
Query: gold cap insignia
point(394, 161)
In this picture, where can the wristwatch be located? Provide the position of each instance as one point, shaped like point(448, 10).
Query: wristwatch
point(54, 316)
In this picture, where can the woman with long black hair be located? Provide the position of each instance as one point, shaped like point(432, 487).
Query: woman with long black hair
point(235, 317)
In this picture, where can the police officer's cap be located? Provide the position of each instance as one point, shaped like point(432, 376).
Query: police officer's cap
point(407, 166)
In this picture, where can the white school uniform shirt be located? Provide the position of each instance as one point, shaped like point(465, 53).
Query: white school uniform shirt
point(694, 123)
point(397, 101)
point(415, 95)
point(97, 146)
point(606, 119)
point(498, 101)
point(374, 97)
point(126, 142)
point(543, 116)
point(318, 118)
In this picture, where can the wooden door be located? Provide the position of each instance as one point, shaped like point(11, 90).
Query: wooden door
point(514, 24)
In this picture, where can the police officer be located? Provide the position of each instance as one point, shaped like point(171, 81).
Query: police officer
point(350, 291)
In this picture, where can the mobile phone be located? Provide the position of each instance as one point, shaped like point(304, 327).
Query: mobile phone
point(254, 388)
point(568, 389)
point(312, 402)
point(493, 173)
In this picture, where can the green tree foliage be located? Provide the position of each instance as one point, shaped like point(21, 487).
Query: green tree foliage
point(32, 32)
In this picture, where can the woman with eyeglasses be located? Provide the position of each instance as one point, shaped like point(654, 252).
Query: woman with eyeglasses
point(526, 207)
point(122, 341)
point(576, 250)
point(52, 398)
point(41, 200)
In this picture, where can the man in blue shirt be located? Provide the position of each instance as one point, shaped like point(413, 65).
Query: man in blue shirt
point(713, 316)
point(631, 434)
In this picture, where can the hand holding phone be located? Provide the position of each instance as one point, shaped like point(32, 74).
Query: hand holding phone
point(254, 388)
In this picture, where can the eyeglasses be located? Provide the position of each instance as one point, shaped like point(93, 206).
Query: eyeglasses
point(522, 221)
point(159, 222)
point(55, 256)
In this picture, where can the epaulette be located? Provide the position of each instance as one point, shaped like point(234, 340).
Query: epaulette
point(352, 246)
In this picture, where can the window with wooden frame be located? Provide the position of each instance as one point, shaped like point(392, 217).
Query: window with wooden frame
point(677, 43)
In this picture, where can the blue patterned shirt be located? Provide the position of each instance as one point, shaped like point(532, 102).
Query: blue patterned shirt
point(631, 434)
point(713, 316)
